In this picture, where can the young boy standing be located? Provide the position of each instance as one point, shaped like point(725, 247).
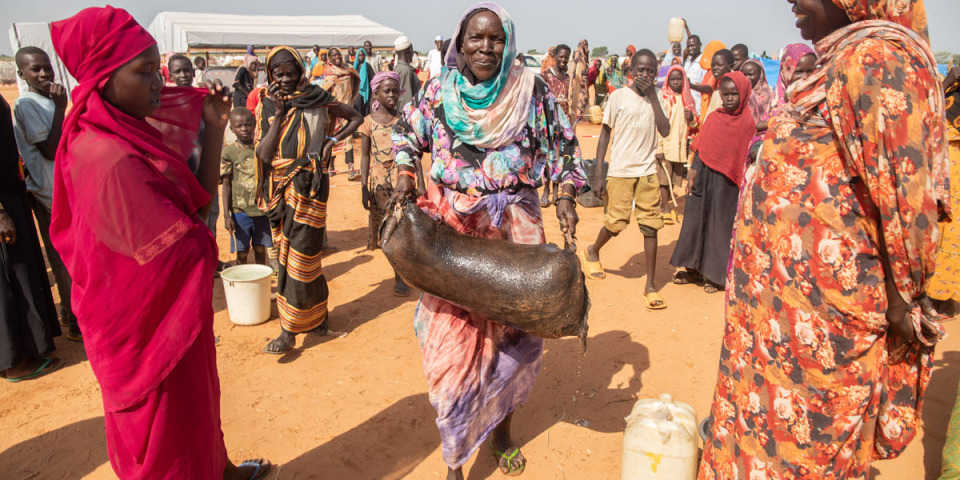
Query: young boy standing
point(38, 120)
point(241, 217)
point(636, 116)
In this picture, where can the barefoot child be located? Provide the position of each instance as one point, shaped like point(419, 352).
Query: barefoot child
point(241, 217)
point(378, 171)
point(636, 114)
point(679, 108)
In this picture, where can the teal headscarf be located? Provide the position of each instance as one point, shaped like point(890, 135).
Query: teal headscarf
point(364, 78)
point(485, 93)
point(498, 124)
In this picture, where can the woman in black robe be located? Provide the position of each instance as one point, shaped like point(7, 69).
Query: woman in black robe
point(28, 317)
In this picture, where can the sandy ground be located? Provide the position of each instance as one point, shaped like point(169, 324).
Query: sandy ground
point(356, 407)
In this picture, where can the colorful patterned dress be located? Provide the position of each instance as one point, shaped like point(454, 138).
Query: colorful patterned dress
point(342, 83)
point(382, 176)
point(560, 87)
point(811, 384)
point(477, 370)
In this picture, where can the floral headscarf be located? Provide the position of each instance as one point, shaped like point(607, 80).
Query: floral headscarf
point(549, 61)
point(788, 64)
point(909, 13)
point(761, 100)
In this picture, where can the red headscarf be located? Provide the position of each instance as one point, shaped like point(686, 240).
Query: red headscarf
point(685, 95)
point(123, 196)
point(724, 139)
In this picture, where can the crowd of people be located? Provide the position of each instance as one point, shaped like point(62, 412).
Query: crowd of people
point(821, 205)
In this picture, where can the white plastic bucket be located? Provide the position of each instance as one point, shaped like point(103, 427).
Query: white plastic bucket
point(247, 288)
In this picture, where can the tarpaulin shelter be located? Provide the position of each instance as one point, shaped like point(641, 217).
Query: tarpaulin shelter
point(186, 32)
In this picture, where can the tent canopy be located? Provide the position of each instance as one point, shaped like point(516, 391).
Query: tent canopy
point(180, 31)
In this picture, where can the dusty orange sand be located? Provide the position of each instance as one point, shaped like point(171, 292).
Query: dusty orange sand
point(356, 407)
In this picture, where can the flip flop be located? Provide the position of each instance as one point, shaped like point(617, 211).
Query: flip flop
point(652, 298)
point(684, 277)
point(498, 455)
point(39, 372)
point(287, 348)
point(591, 268)
point(668, 220)
point(259, 468)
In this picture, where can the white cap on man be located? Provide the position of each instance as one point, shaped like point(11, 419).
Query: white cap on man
point(438, 38)
point(402, 43)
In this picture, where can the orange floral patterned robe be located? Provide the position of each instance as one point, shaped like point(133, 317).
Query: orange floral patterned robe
point(810, 384)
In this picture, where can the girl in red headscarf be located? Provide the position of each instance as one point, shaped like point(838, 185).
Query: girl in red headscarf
point(703, 247)
point(829, 336)
point(126, 220)
point(680, 109)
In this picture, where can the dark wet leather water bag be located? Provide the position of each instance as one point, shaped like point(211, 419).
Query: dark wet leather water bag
point(539, 289)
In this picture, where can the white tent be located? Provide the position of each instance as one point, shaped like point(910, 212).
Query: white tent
point(181, 32)
point(38, 35)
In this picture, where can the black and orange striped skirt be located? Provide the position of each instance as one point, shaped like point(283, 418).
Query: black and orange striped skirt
point(298, 216)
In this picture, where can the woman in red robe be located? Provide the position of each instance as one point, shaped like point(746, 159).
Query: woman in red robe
point(126, 219)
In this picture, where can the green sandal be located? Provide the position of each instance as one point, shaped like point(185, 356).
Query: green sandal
point(40, 371)
point(500, 456)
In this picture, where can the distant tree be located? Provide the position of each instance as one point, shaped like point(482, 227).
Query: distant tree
point(600, 52)
point(533, 51)
point(956, 59)
point(944, 57)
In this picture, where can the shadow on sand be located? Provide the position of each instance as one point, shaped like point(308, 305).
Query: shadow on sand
point(67, 453)
point(938, 405)
point(393, 442)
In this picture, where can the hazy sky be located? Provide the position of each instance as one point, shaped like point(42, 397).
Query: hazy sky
point(761, 24)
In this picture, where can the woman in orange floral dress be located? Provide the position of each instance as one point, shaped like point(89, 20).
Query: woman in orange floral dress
point(829, 336)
